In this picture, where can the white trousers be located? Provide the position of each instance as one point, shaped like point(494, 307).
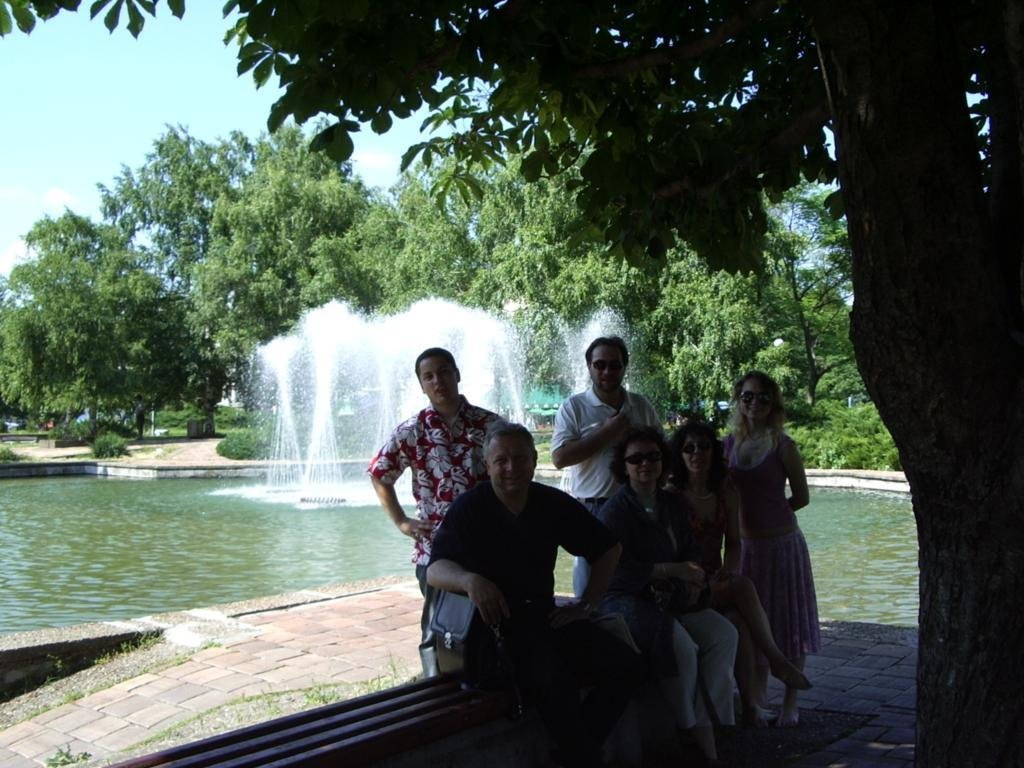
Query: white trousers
point(704, 644)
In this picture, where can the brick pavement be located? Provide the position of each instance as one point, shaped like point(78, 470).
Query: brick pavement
point(363, 636)
point(864, 676)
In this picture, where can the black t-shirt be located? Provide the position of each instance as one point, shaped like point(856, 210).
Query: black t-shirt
point(517, 552)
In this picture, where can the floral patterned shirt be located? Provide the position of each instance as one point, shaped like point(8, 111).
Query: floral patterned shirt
point(445, 461)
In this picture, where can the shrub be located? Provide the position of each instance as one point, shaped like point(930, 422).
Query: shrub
point(845, 438)
point(226, 418)
point(230, 418)
point(244, 444)
point(107, 445)
point(75, 430)
point(7, 455)
point(117, 427)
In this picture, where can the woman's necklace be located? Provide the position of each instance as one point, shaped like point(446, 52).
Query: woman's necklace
point(647, 502)
point(702, 503)
point(753, 450)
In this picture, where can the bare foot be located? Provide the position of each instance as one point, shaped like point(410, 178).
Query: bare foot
point(789, 674)
point(790, 718)
point(757, 717)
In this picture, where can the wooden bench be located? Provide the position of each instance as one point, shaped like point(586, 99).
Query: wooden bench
point(358, 732)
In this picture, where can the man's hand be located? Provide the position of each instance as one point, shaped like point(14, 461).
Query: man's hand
point(488, 599)
point(598, 437)
point(414, 527)
point(614, 427)
point(567, 614)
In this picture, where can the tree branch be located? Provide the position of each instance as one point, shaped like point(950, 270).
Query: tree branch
point(787, 139)
point(668, 55)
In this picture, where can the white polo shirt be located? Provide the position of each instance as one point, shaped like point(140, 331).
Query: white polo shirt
point(580, 415)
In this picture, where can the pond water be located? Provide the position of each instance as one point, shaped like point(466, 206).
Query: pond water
point(85, 549)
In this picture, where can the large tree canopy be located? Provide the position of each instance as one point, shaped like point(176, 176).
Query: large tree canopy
point(80, 323)
point(684, 114)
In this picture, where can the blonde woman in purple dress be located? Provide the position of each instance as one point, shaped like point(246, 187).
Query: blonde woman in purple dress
point(762, 458)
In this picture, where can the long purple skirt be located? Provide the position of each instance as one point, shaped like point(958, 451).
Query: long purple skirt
point(780, 568)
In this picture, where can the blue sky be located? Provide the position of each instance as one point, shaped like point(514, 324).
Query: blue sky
point(78, 103)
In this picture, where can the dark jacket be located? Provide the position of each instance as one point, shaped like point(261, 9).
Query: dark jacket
point(645, 541)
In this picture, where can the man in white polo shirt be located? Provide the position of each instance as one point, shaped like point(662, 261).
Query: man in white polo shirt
point(590, 423)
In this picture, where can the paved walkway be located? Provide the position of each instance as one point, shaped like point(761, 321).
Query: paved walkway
point(364, 636)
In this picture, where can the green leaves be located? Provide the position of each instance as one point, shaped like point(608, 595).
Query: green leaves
point(26, 12)
point(73, 337)
point(251, 54)
point(335, 140)
point(136, 21)
point(21, 14)
point(532, 165)
point(381, 123)
point(5, 18)
point(835, 204)
point(410, 155)
point(678, 122)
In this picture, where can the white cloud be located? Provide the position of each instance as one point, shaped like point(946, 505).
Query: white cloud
point(11, 255)
point(55, 200)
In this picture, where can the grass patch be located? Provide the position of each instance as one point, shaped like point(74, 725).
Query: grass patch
point(141, 643)
point(72, 696)
point(226, 419)
point(64, 685)
point(64, 756)
point(247, 710)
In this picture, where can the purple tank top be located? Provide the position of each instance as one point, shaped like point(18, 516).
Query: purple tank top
point(762, 489)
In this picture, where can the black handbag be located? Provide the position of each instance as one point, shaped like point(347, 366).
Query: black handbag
point(453, 619)
point(672, 596)
point(465, 644)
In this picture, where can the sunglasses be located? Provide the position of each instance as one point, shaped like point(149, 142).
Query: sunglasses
point(762, 397)
point(611, 365)
point(640, 458)
point(694, 447)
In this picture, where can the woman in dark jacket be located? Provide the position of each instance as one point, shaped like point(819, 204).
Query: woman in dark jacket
point(659, 588)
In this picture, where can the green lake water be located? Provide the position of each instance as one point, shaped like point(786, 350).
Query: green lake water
point(86, 549)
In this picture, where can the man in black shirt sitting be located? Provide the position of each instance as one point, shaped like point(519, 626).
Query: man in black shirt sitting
point(498, 544)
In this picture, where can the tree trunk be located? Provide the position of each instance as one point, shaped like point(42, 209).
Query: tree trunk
point(932, 331)
point(806, 333)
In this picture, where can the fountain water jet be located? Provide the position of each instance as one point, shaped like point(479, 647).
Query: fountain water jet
point(342, 381)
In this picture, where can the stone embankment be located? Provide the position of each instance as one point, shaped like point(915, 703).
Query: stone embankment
point(179, 457)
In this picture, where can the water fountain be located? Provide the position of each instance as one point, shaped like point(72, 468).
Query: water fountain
point(342, 381)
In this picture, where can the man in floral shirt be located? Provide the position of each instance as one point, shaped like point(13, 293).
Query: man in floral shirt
point(443, 445)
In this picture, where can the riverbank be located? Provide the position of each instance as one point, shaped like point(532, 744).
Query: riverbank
point(226, 666)
point(182, 457)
